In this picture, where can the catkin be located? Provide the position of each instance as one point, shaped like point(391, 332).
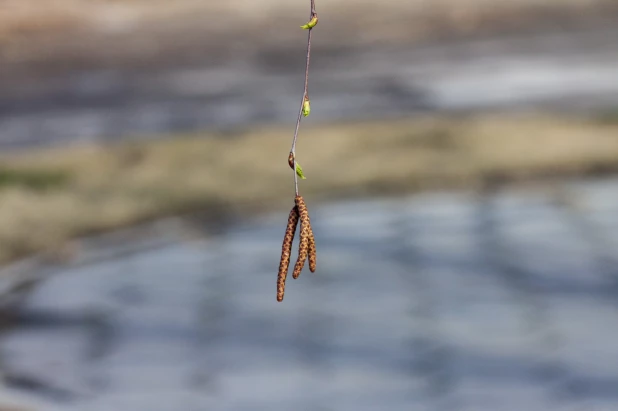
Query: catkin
point(286, 251)
point(313, 260)
point(305, 229)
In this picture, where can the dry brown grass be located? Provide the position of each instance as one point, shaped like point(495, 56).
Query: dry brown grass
point(109, 187)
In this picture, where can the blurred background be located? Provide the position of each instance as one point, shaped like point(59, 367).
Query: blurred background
point(460, 160)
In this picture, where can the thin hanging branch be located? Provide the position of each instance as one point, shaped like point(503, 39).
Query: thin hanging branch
point(304, 101)
point(306, 247)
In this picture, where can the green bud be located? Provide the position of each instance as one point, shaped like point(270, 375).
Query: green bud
point(311, 24)
point(306, 107)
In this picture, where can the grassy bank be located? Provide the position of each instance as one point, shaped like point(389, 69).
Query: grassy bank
point(49, 196)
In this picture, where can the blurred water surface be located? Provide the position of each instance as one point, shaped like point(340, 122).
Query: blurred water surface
point(441, 301)
point(555, 70)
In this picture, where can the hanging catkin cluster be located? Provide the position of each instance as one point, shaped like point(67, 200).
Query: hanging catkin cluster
point(306, 245)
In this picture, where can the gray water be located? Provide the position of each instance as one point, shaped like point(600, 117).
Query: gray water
point(558, 70)
point(440, 301)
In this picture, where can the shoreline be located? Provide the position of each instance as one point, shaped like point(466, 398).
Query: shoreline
point(211, 181)
point(19, 274)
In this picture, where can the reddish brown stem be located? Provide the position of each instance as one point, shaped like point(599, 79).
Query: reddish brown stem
point(302, 100)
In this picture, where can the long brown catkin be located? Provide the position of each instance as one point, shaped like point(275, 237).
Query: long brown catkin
point(313, 260)
point(305, 227)
point(286, 252)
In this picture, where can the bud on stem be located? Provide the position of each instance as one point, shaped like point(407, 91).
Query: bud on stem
point(311, 23)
